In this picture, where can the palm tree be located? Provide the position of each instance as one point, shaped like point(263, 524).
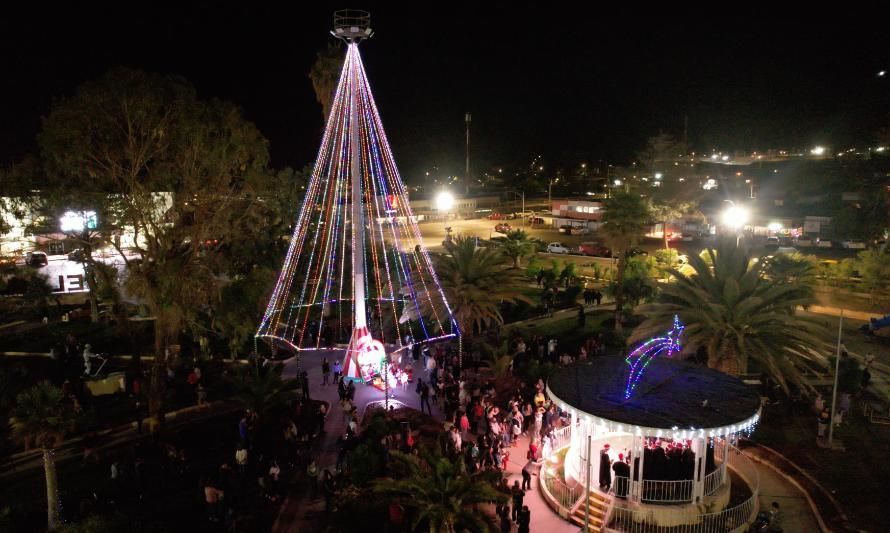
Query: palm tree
point(40, 416)
point(441, 492)
point(624, 223)
point(517, 245)
point(325, 73)
point(260, 387)
point(476, 283)
point(734, 313)
point(792, 268)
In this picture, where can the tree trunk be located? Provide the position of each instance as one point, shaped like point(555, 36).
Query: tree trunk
point(159, 373)
point(53, 503)
point(90, 276)
point(664, 233)
point(619, 289)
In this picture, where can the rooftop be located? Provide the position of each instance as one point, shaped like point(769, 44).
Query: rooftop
point(671, 396)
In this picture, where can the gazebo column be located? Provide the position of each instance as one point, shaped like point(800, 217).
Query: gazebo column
point(636, 467)
point(700, 448)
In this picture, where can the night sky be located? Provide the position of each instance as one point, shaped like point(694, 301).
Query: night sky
point(574, 84)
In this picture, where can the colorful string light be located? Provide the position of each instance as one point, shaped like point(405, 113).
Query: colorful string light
point(640, 358)
point(356, 268)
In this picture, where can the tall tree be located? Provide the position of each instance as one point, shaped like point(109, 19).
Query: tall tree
point(325, 73)
point(41, 416)
point(440, 492)
point(624, 224)
point(182, 175)
point(666, 211)
point(476, 282)
point(517, 245)
point(735, 314)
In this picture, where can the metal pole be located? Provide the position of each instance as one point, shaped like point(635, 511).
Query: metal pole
point(587, 493)
point(386, 381)
point(837, 366)
point(467, 118)
point(523, 207)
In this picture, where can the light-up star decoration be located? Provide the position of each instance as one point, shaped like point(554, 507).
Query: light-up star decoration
point(640, 358)
point(357, 273)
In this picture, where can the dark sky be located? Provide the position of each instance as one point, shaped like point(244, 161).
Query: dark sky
point(572, 84)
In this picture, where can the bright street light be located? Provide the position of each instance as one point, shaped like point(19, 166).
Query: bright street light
point(818, 150)
point(735, 217)
point(444, 201)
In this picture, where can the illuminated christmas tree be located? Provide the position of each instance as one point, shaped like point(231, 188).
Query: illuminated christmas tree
point(356, 265)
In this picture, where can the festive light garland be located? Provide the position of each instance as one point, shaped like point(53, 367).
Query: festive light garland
point(315, 287)
point(640, 358)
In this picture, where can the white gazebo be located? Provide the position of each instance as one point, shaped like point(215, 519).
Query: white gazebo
point(670, 429)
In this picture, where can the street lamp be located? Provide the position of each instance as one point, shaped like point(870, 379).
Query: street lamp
point(550, 183)
point(735, 217)
point(444, 203)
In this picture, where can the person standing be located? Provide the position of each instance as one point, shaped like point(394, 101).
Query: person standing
point(517, 495)
point(525, 518)
point(527, 474)
point(776, 517)
point(338, 370)
point(605, 469)
point(425, 397)
point(305, 379)
point(325, 371)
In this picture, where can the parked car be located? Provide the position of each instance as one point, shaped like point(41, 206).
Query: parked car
point(854, 244)
point(495, 216)
point(36, 259)
point(594, 249)
point(503, 228)
point(786, 250)
point(687, 237)
point(565, 228)
point(772, 241)
point(76, 255)
point(535, 221)
point(633, 252)
point(580, 230)
point(557, 248)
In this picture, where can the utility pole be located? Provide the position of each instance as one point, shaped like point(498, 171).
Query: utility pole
point(467, 119)
point(837, 366)
point(587, 489)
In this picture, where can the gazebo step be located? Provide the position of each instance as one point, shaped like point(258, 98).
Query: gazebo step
point(595, 523)
point(597, 512)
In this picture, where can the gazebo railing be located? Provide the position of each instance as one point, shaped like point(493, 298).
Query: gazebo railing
point(655, 490)
point(562, 437)
point(732, 519)
point(714, 480)
point(566, 497)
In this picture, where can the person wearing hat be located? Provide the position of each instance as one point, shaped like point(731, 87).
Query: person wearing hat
point(622, 476)
point(605, 469)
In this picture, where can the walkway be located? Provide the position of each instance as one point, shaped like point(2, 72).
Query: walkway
point(301, 513)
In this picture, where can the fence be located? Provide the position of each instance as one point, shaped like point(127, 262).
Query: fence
point(731, 519)
point(566, 497)
point(714, 480)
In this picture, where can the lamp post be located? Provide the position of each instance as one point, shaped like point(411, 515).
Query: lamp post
point(735, 217)
point(444, 203)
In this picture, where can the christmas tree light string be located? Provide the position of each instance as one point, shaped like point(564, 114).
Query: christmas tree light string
point(337, 245)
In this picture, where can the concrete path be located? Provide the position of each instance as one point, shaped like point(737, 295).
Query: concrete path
point(303, 512)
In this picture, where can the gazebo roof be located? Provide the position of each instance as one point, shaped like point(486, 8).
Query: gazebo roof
point(673, 398)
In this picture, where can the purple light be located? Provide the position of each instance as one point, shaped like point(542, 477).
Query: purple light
point(640, 358)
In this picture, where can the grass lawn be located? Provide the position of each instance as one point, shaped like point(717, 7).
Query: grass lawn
point(857, 477)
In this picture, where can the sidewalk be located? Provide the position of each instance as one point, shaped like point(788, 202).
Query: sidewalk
point(299, 513)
